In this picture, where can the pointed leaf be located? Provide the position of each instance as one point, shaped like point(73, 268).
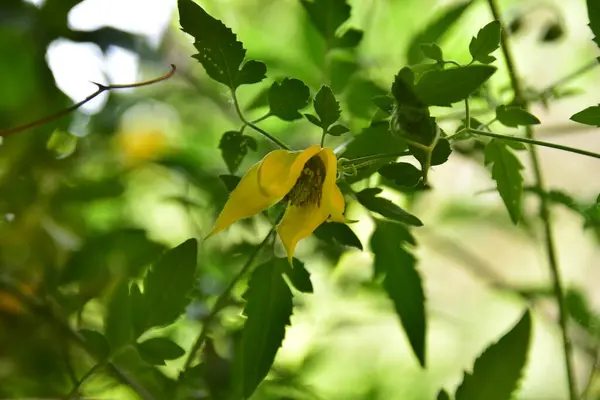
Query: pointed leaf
point(268, 310)
point(230, 181)
point(336, 232)
point(593, 8)
point(297, 273)
point(497, 371)
point(118, 321)
point(327, 107)
point(515, 116)
point(234, 147)
point(368, 198)
point(287, 98)
point(313, 119)
point(443, 395)
point(252, 72)
point(337, 130)
point(506, 171)
point(589, 116)
point(402, 283)
point(327, 16)
point(486, 42)
point(442, 88)
point(402, 174)
point(156, 350)
point(432, 51)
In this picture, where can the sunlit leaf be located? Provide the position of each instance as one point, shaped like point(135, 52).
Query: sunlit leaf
point(402, 283)
point(515, 116)
point(234, 147)
point(497, 371)
point(486, 42)
point(327, 107)
point(287, 98)
point(589, 116)
point(444, 87)
point(62, 143)
point(156, 350)
point(369, 199)
point(506, 171)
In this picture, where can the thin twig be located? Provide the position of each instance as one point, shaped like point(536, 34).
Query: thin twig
point(101, 89)
point(84, 378)
point(544, 209)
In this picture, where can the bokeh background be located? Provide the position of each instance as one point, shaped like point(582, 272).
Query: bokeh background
point(93, 197)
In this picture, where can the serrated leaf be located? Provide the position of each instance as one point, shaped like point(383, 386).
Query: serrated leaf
point(338, 233)
point(515, 116)
point(327, 107)
point(230, 181)
point(384, 103)
point(402, 174)
point(593, 8)
point(402, 283)
point(403, 89)
point(166, 288)
point(297, 274)
point(444, 87)
point(327, 16)
point(337, 130)
point(96, 343)
point(118, 321)
point(589, 116)
point(368, 198)
point(432, 51)
point(435, 30)
point(506, 171)
point(313, 119)
point(234, 147)
point(497, 371)
point(443, 395)
point(156, 350)
point(486, 42)
point(287, 98)
point(219, 51)
point(268, 310)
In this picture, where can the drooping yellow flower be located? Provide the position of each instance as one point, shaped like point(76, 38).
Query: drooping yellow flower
point(305, 179)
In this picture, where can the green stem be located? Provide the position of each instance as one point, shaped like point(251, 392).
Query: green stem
point(529, 140)
point(85, 377)
point(544, 209)
point(467, 115)
point(256, 128)
point(323, 138)
point(222, 301)
point(377, 157)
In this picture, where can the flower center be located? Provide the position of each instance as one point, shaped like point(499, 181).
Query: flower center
point(309, 186)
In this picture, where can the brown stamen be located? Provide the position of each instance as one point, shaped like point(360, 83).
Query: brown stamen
point(309, 186)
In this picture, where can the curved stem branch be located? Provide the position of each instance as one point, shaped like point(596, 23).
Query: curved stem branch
point(101, 89)
point(85, 377)
point(544, 208)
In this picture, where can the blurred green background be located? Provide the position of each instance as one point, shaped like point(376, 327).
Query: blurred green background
point(90, 199)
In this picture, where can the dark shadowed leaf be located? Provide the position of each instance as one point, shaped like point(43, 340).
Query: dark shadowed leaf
point(327, 16)
point(432, 51)
point(581, 313)
point(96, 343)
point(497, 371)
point(338, 233)
point(297, 273)
point(268, 311)
point(234, 147)
point(486, 42)
point(118, 321)
point(402, 174)
point(230, 181)
point(337, 130)
point(156, 350)
point(384, 103)
point(166, 287)
point(435, 30)
point(593, 8)
point(327, 107)
point(506, 171)
point(440, 154)
point(369, 199)
point(287, 98)
point(402, 283)
point(313, 119)
point(350, 38)
point(443, 395)
point(219, 51)
point(589, 116)
point(341, 72)
point(515, 116)
point(444, 87)
point(403, 89)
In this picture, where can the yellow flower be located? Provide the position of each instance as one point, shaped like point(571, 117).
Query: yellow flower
point(305, 179)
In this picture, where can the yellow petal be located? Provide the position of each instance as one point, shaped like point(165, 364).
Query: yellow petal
point(298, 223)
point(337, 205)
point(281, 169)
point(246, 200)
point(332, 196)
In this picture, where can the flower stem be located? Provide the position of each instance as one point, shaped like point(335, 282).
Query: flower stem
point(266, 134)
point(544, 207)
point(222, 301)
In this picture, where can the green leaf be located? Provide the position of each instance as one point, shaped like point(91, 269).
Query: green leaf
point(287, 97)
point(515, 116)
point(327, 107)
point(444, 87)
point(589, 116)
point(156, 350)
point(402, 174)
point(62, 143)
point(96, 343)
point(230, 181)
point(402, 283)
point(440, 154)
point(385, 103)
point(341, 72)
point(338, 233)
point(497, 371)
point(351, 38)
point(268, 311)
point(581, 313)
point(435, 30)
point(118, 320)
point(297, 273)
point(327, 16)
point(506, 171)
point(337, 130)
point(234, 147)
point(219, 51)
point(166, 287)
point(313, 119)
point(593, 8)
point(403, 89)
point(486, 42)
point(368, 198)
point(432, 51)
point(443, 395)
